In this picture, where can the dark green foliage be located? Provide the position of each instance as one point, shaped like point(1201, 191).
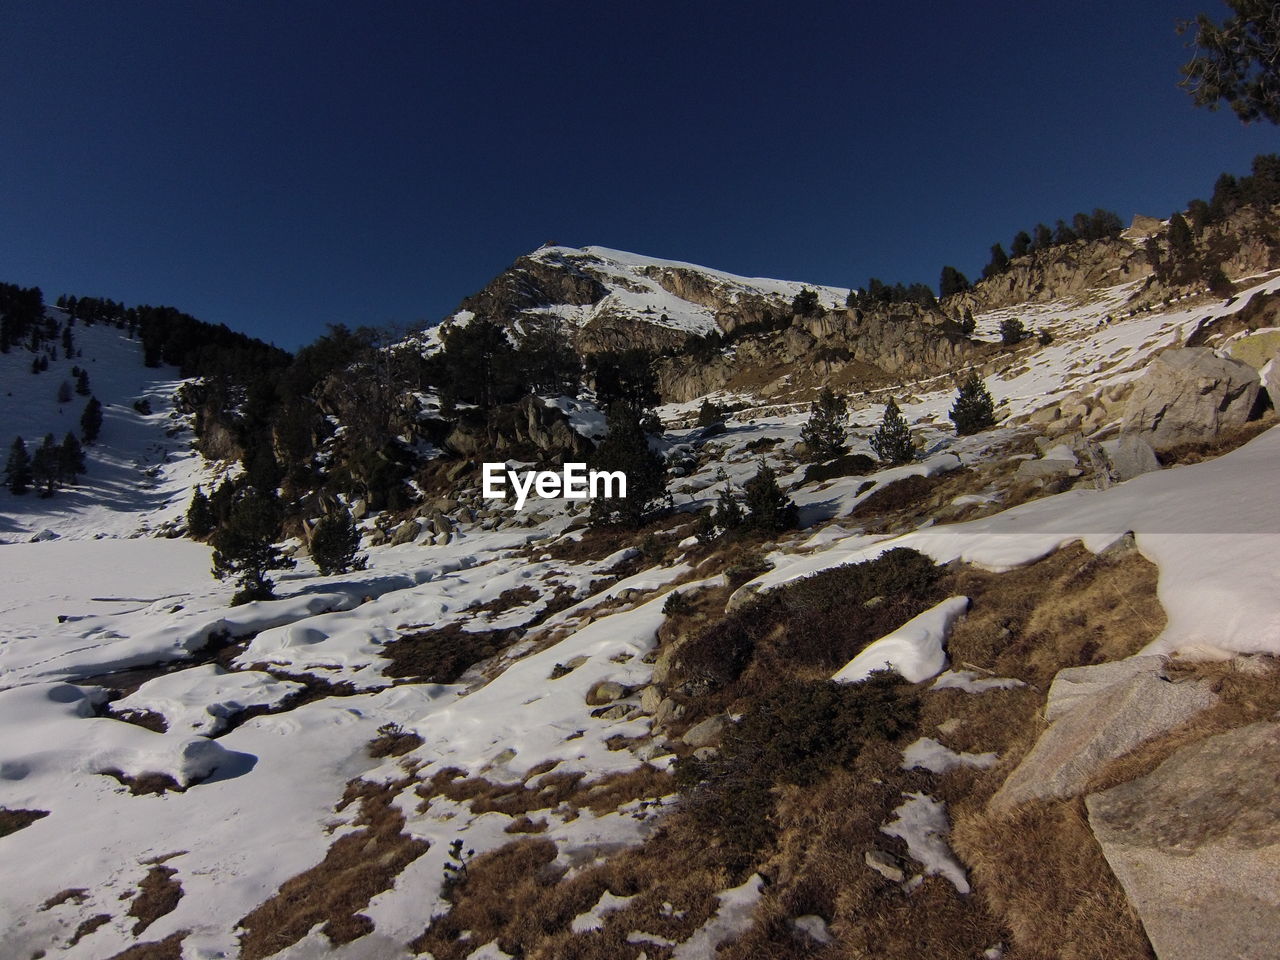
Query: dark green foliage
point(479, 365)
point(1042, 237)
point(952, 282)
point(967, 323)
point(805, 303)
point(849, 465)
point(768, 508)
point(91, 420)
point(1237, 62)
point(244, 546)
point(1064, 234)
point(825, 432)
point(677, 604)
point(547, 362)
point(892, 439)
point(1044, 337)
point(710, 414)
point(624, 376)
point(728, 515)
point(17, 470)
point(973, 410)
point(200, 517)
point(998, 264)
point(878, 293)
point(820, 622)
point(1012, 332)
point(335, 541)
point(626, 448)
point(1021, 244)
point(70, 459)
point(64, 392)
point(82, 383)
point(44, 467)
point(21, 315)
point(1181, 243)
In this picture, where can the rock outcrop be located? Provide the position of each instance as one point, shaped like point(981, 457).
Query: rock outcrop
point(1097, 714)
point(1196, 846)
point(1190, 395)
point(528, 429)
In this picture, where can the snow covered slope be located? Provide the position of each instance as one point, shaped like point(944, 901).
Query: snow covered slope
point(142, 467)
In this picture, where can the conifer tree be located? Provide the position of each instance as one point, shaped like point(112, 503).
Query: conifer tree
point(974, 410)
point(70, 459)
point(768, 508)
point(82, 382)
point(625, 448)
point(952, 282)
point(335, 543)
point(824, 434)
point(967, 323)
point(999, 262)
point(17, 470)
point(892, 439)
point(91, 420)
point(1021, 244)
point(44, 467)
point(244, 546)
point(64, 392)
point(200, 519)
point(1012, 332)
point(1043, 237)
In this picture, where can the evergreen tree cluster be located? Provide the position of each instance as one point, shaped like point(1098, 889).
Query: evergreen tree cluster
point(53, 465)
point(763, 508)
point(826, 431)
point(1099, 225)
point(22, 319)
point(877, 292)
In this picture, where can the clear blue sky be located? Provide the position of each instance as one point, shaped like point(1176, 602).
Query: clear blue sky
point(280, 166)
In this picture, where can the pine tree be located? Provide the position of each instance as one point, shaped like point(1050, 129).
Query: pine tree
point(625, 448)
point(999, 263)
point(967, 323)
point(17, 470)
point(1012, 332)
point(66, 341)
point(44, 467)
point(824, 434)
point(335, 541)
point(804, 303)
point(1237, 62)
point(892, 439)
point(70, 459)
point(974, 410)
point(1181, 242)
point(91, 420)
point(200, 519)
point(768, 508)
point(244, 547)
point(952, 282)
point(1021, 245)
point(1042, 237)
point(64, 392)
point(82, 382)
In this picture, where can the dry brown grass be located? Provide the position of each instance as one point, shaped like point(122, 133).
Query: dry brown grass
point(1223, 442)
point(158, 894)
point(145, 784)
point(393, 741)
point(356, 868)
point(553, 791)
point(88, 926)
point(1069, 609)
point(12, 821)
point(1043, 873)
point(77, 895)
point(170, 948)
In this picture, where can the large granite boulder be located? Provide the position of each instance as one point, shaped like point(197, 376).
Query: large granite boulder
point(1196, 846)
point(1190, 395)
point(1097, 714)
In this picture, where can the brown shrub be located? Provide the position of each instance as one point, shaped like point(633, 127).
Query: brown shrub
point(12, 821)
point(170, 948)
point(443, 655)
point(356, 868)
point(158, 894)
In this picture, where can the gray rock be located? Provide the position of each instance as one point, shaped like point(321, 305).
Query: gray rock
point(1196, 846)
point(376, 538)
point(650, 699)
point(705, 753)
point(1271, 380)
point(1098, 714)
point(740, 597)
point(617, 712)
point(667, 711)
point(407, 532)
point(359, 508)
point(1129, 456)
point(885, 864)
point(606, 691)
point(705, 733)
point(1190, 395)
point(1040, 469)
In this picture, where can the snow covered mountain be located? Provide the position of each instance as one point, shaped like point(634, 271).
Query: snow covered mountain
point(516, 734)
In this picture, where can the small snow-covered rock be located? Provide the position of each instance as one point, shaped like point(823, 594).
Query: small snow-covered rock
point(914, 650)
